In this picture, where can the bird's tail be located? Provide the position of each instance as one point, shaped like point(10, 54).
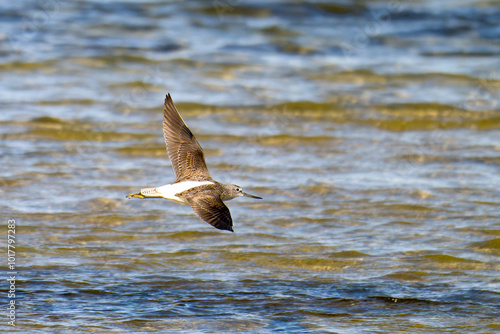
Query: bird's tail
point(146, 193)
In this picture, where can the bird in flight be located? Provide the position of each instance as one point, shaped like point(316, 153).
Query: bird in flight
point(193, 186)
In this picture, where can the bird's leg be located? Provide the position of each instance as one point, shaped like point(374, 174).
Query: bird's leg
point(136, 195)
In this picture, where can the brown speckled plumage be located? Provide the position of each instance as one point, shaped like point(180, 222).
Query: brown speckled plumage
point(186, 154)
point(188, 162)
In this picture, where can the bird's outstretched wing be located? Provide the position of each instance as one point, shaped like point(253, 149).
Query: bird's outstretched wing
point(211, 209)
point(183, 149)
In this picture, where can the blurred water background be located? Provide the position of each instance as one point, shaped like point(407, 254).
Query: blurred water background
point(371, 129)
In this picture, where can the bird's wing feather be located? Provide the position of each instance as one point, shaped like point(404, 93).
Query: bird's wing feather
point(209, 207)
point(183, 149)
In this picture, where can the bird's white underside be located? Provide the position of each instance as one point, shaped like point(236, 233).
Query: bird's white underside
point(168, 191)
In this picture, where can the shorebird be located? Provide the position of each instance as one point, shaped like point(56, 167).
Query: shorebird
point(193, 186)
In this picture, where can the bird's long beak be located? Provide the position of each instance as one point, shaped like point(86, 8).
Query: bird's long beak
point(252, 196)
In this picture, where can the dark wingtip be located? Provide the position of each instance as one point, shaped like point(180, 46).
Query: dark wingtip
point(168, 98)
point(225, 228)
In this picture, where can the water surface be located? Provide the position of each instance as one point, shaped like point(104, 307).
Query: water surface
point(370, 128)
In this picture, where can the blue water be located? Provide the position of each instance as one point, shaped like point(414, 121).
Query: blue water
point(369, 128)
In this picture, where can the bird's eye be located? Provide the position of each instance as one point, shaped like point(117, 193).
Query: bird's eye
point(238, 189)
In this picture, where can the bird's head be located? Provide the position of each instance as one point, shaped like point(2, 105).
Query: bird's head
point(232, 190)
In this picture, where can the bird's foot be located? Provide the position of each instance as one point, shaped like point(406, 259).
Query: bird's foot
point(136, 195)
